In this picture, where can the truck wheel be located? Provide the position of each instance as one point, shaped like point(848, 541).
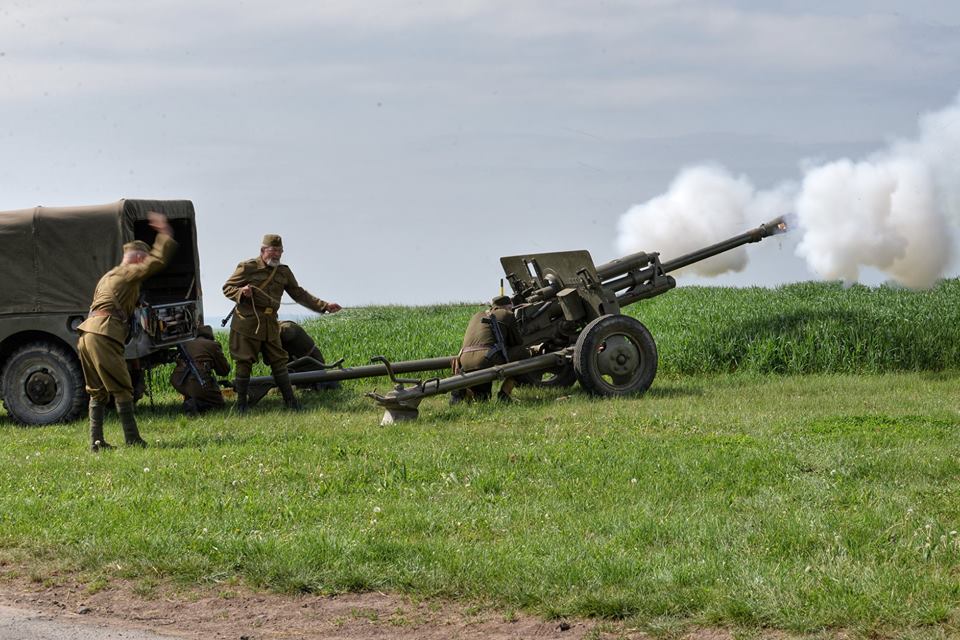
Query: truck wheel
point(615, 356)
point(42, 384)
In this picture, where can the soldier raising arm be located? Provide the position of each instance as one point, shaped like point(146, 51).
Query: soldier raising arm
point(104, 332)
point(257, 286)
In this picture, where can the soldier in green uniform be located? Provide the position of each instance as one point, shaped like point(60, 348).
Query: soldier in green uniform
point(257, 286)
point(104, 332)
point(209, 360)
point(481, 350)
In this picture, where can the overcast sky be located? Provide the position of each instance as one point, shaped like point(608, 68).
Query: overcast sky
point(401, 147)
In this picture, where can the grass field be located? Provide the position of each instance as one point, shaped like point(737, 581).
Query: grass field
point(749, 499)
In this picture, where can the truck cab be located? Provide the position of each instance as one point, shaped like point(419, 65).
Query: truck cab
point(51, 259)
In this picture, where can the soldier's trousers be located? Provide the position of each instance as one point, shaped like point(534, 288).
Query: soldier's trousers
point(477, 360)
point(206, 396)
point(245, 350)
point(104, 368)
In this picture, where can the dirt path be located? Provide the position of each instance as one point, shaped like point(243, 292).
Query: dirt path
point(25, 624)
point(62, 608)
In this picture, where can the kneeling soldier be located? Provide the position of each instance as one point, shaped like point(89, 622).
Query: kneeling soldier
point(104, 332)
point(257, 286)
point(206, 360)
point(492, 338)
point(298, 344)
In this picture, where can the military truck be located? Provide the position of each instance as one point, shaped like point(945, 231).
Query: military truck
point(51, 259)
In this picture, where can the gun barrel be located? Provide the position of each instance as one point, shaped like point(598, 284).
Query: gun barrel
point(624, 265)
point(774, 227)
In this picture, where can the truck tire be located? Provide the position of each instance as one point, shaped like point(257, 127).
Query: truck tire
point(615, 356)
point(42, 383)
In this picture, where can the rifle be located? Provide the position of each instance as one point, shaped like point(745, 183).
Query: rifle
point(224, 322)
point(191, 367)
point(500, 346)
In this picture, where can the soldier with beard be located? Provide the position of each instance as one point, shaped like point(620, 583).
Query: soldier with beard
point(257, 286)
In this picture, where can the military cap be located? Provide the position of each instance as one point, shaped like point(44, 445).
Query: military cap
point(272, 240)
point(205, 331)
point(136, 245)
point(501, 301)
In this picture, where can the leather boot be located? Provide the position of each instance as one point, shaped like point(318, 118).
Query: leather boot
point(286, 390)
point(240, 386)
point(97, 441)
point(129, 422)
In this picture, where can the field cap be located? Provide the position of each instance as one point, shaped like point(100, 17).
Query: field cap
point(501, 301)
point(136, 245)
point(272, 240)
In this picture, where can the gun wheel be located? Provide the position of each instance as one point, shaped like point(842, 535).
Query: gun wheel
point(615, 356)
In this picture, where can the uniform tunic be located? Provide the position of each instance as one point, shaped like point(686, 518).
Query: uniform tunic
point(208, 355)
point(479, 334)
point(254, 328)
point(103, 335)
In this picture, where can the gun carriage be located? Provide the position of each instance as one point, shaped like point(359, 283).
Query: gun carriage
point(569, 314)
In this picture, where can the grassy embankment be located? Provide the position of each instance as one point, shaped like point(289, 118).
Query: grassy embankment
point(826, 500)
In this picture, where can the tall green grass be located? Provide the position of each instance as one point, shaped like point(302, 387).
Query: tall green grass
point(805, 328)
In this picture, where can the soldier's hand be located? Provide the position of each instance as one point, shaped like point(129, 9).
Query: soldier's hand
point(333, 307)
point(159, 223)
point(246, 291)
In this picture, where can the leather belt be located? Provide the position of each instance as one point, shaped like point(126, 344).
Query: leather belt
point(252, 309)
point(479, 347)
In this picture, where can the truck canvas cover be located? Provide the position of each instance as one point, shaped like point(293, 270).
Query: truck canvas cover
point(51, 258)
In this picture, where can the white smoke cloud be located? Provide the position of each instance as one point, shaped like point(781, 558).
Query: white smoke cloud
point(704, 205)
point(890, 211)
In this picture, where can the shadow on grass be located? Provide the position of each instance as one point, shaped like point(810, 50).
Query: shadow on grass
point(673, 391)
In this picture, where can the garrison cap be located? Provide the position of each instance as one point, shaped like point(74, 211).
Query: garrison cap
point(136, 245)
point(272, 240)
point(501, 301)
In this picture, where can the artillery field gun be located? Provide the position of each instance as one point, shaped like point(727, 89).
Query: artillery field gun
point(568, 311)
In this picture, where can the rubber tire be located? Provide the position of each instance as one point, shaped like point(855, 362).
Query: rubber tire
point(59, 362)
point(588, 346)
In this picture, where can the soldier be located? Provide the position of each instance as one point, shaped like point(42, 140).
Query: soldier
point(298, 344)
point(481, 348)
point(257, 286)
point(200, 395)
point(104, 332)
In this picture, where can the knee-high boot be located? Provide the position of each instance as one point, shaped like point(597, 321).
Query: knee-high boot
point(241, 386)
point(286, 390)
point(129, 422)
point(97, 441)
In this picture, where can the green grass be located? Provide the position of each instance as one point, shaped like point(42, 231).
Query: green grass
point(745, 500)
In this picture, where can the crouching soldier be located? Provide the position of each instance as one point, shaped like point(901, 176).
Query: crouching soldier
point(200, 394)
point(298, 344)
point(492, 338)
